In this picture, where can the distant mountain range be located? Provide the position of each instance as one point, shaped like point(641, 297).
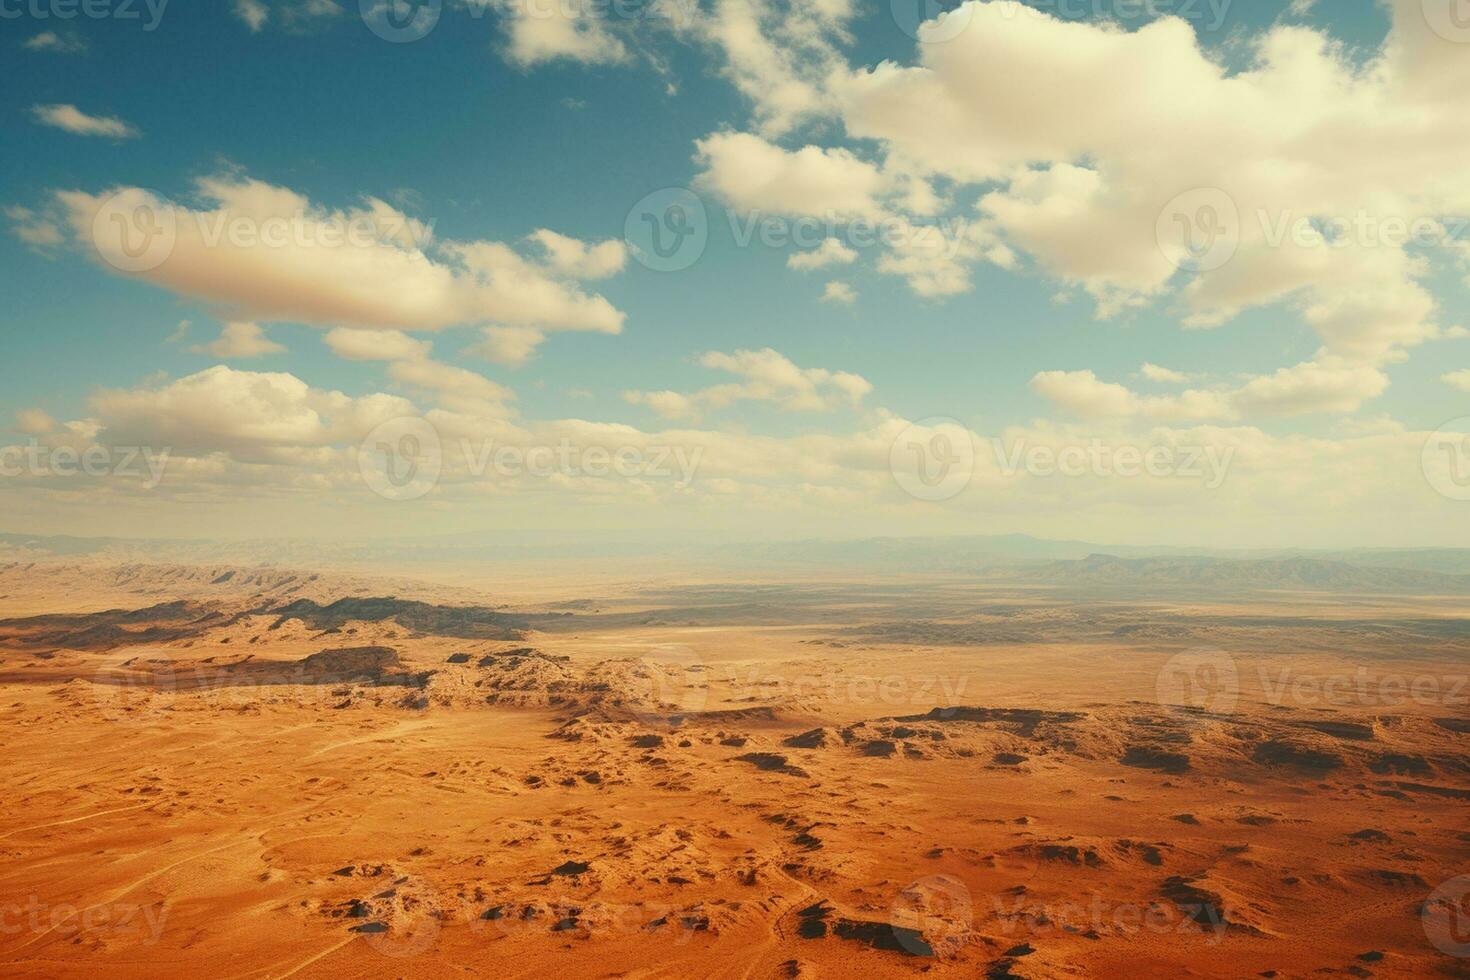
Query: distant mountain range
point(1013, 557)
point(1225, 574)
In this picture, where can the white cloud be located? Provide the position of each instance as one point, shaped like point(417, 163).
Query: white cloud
point(375, 345)
point(457, 389)
point(34, 422)
point(1154, 372)
point(511, 346)
point(540, 33)
point(240, 340)
point(840, 293)
point(244, 412)
point(766, 376)
point(752, 174)
point(831, 252)
point(1457, 379)
point(1302, 132)
point(74, 120)
point(297, 16)
point(37, 231)
point(778, 55)
point(253, 12)
point(266, 253)
point(1326, 385)
point(577, 259)
point(59, 43)
point(1313, 386)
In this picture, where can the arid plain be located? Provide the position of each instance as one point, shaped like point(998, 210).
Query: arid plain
point(236, 771)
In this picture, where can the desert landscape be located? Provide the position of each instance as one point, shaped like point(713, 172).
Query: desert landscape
point(261, 772)
point(735, 489)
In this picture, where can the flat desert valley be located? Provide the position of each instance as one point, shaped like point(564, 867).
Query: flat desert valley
point(248, 772)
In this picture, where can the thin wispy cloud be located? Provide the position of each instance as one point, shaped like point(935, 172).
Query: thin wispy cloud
point(73, 120)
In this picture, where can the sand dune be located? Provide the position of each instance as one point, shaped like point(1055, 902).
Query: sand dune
point(655, 784)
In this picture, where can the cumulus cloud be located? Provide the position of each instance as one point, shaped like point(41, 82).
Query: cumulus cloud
point(778, 55)
point(540, 33)
point(1457, 379)
point(74, 120)
point(766, 376)
point(752, 174)
point(456, 388)
point(375, 345)
point(240, 341)
point(34, 422)
point(840, 293)
point(831, 252)
point(577, 259)
point(835, 186)
point(1302, 133)
point(1154, 372)
point(247, 413)
point(1309, 387)
point(511, 346)
point(262, 252)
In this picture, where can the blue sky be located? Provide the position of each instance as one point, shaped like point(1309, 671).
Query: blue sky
point(455, 130)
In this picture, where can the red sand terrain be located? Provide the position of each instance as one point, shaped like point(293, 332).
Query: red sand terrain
point(233, 772)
